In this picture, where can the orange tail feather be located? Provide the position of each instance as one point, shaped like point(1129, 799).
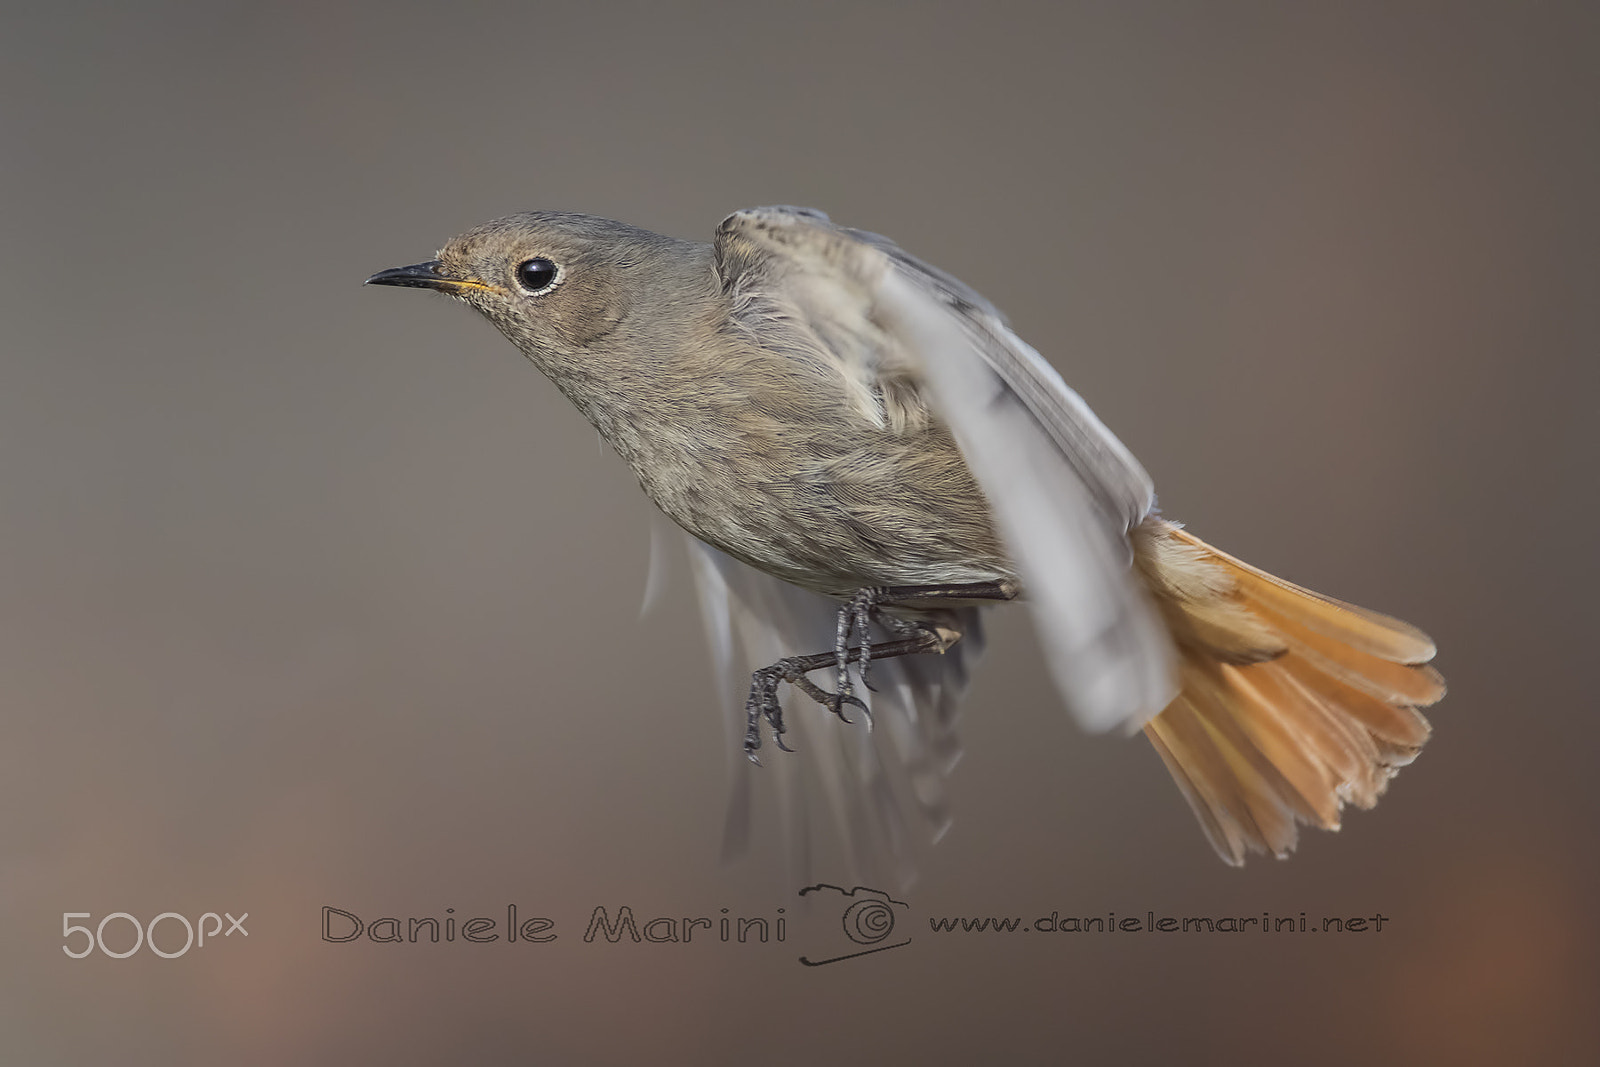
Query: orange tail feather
point(1292, 703)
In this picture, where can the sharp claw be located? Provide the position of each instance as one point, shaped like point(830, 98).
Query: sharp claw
point(865, 711)
point(778, 740)
point(836, 705)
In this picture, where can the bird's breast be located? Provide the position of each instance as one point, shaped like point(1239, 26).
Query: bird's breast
point(819, 501)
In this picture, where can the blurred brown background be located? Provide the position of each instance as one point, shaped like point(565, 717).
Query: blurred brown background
point(312, 594)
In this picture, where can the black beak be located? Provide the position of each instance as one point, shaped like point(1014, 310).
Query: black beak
point(418, 276)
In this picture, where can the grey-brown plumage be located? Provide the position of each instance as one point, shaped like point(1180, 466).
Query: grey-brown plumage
point(825, 413)
point(729, 414)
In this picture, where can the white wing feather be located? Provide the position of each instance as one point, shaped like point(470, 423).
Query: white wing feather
point(1031, 441)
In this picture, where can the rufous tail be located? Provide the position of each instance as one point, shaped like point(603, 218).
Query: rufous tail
point(1292, 703)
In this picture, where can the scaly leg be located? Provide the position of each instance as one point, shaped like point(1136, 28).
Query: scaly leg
point(855, 617)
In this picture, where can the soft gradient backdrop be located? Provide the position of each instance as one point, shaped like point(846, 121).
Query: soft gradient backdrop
point(315, 595)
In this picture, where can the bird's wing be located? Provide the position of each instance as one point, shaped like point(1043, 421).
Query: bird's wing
point(883, 786)
point(1063, 490)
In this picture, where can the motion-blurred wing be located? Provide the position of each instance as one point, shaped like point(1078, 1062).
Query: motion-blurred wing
point(1064, 491)
point(884, 787)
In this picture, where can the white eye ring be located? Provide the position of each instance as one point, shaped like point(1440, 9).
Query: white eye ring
point(537, 275)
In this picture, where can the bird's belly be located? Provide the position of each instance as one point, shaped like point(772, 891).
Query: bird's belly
point(837, 524)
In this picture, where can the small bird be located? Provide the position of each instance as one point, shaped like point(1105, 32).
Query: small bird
point(866, 456)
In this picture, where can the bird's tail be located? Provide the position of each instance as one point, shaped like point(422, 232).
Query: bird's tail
point(1291, 703)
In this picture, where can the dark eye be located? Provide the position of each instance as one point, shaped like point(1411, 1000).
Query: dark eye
point(536, 275)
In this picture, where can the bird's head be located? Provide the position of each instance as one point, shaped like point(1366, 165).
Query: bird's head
point(568, 290)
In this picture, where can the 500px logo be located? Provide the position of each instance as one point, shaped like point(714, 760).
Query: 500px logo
point(146, 935)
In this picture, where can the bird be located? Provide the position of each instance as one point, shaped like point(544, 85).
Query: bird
point(867, 458)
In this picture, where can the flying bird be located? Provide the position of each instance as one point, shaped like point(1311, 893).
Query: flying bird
point(867, 457)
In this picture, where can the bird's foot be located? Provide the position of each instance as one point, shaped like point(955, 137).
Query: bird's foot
point(763, 700)
point(853, 639)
